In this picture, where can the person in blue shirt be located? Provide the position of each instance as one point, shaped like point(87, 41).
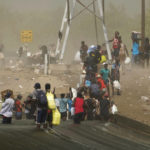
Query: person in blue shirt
point(63, 106)
point(135, 51)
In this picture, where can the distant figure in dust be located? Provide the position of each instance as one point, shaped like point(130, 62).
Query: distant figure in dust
point(7, 109)
point(123, 53)
point(2, 57)
point(135, 52)
point(83, 51)
point(116, 45)
point(20, 51)
point(147, 51)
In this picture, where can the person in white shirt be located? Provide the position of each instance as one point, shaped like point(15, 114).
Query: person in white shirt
point(7, 109)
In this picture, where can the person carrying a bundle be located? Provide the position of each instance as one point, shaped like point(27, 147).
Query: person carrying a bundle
point(115, 75)
point(116, 45)
point(7, 109)
point(51, 104)
point(41, 105)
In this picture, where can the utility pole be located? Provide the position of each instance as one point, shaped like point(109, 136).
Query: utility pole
point(96, 30)
point(143, 23)
point(68, 9)
point(103, 4)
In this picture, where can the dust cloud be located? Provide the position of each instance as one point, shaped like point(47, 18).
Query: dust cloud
point(44, 19)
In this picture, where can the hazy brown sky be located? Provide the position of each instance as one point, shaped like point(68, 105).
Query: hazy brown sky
point(44, 17)
point(132, 6)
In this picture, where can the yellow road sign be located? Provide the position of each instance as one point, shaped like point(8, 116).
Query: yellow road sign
point(26, 36)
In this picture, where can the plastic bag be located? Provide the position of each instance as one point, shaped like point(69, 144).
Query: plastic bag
point(127, 60)
point(74, 92)
point(116, 85)
point(77, 57)
point(72, 111)
point(103, 59)
point(114, 109)
point(56, 117)
point(50, 101)
point(87, 83)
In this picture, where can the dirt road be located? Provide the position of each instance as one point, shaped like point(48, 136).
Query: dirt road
point(134, 101)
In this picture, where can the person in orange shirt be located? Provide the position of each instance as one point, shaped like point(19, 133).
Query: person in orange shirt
point(101, 82)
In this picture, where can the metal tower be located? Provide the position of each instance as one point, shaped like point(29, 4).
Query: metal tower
point(67, 19)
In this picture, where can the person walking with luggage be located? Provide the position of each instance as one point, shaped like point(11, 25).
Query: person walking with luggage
point(50, 97)
point(83, 51)
point(115, 75)
point(41, 101)
point(123, 53)
point(147, 51)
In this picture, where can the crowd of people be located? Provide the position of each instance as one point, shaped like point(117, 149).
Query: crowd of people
point(42, 104)
point(92, 100)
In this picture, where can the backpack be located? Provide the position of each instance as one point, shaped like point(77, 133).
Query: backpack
point(50, 100)
point(41, 97)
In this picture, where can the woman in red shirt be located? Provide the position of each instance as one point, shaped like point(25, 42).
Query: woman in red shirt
point(79, 111)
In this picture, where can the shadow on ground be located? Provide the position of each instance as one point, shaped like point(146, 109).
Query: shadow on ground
point(127, 134)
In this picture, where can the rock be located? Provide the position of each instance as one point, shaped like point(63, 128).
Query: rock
point(36, 71)
point(144, 98)
point(20, 86)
